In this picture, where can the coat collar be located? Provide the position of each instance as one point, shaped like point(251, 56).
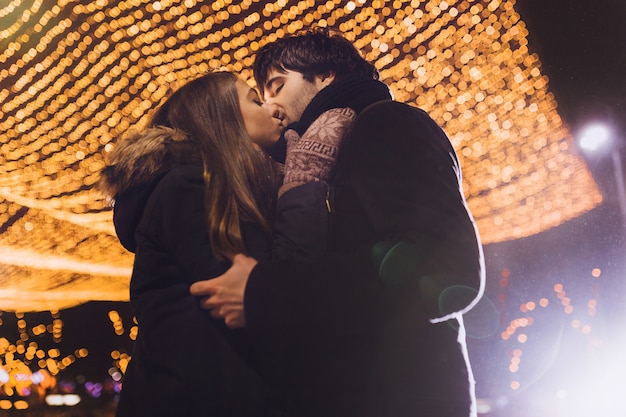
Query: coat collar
point(355, 93)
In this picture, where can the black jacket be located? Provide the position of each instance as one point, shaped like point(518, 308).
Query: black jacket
point(403, 250)
point(184, 362)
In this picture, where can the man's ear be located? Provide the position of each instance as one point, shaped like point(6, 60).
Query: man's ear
point(324, 80)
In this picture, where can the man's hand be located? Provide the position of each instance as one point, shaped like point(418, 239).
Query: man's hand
point(223, 295)
point(312, 156)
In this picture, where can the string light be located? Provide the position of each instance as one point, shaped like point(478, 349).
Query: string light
point(519, 330)
point(31, 366)
point(74, 77)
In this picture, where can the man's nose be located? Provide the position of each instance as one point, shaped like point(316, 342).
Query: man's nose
point(275, 110)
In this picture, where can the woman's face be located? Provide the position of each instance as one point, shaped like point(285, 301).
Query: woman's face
point(262, 127)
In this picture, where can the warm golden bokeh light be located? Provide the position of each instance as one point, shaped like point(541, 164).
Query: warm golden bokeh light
point(520, 326)
point(74, 77)
point(34, 361)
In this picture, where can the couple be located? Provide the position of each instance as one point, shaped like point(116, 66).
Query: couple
point(352, 271)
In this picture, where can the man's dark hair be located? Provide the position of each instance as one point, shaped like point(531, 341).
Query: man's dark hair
point(312, 52)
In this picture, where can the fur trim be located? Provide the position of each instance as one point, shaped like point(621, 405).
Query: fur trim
point(142, 156)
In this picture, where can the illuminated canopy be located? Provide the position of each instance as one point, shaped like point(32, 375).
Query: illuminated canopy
point(75, 75)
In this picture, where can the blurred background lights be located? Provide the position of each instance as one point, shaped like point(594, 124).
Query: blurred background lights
point(75, 76)
point(59, 400)
point(38, 368)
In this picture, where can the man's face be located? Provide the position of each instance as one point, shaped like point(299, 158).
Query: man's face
point(290, 93)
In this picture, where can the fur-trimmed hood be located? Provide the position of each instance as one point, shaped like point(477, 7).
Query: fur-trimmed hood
point(143, 157)
point(135, 167)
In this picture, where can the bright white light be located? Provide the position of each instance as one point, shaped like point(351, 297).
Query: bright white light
point(71, 399)
point(62, 399)
point(598, 390)
point(483, 406)
point(54, 400)
point(594, 137)
point(36, 378)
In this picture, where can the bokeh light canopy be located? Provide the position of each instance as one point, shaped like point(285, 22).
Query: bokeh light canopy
point(75, 76)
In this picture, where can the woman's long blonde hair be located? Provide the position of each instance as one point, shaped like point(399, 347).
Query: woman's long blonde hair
point(241, 181)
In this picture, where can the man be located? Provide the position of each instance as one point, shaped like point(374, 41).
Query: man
point(371, 323)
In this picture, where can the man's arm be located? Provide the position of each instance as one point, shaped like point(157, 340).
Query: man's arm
point(302, 221)
point(405, 174)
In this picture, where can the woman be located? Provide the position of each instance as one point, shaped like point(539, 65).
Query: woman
point(189, 190)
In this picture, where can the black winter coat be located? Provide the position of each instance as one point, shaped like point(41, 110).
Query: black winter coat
point(184, 362)
point(360, 322)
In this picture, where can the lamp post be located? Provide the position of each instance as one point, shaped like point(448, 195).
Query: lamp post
point(598, 137)
point(619, 181)
point(601, 138)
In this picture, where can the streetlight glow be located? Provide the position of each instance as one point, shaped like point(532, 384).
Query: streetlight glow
point(594, 137)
